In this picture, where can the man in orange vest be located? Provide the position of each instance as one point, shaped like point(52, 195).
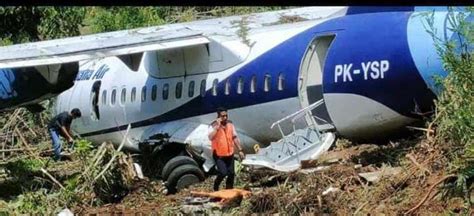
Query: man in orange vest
point(223, 138)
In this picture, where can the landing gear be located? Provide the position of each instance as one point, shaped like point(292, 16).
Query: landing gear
point(183, 176)
point(172, 162)
point(181, 172)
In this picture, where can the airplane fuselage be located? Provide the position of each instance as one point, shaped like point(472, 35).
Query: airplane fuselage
point(373, 70)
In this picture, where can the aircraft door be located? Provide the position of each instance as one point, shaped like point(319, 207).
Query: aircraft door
point(310, 87)
point(95, 90)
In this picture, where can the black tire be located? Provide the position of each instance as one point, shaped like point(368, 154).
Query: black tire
point(184, 176)
point(175, 162)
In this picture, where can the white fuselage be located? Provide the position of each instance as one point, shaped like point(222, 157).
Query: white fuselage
point(228, 53)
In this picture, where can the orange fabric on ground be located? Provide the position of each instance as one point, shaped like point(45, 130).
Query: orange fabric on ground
point(225, 195)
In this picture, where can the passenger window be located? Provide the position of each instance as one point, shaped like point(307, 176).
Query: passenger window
point(133, 95)
point(214, 87)
point(144, 94)
point(267, 83)
point(240, 85)
point(191, 89)
point(154, 90)
point(203, 88)
point(253, 83)
point(123, 96)
point(281, 82)
point(104, 97)
point(227, 87)
point(179, 90)
point(165, 91)
point(113, 96)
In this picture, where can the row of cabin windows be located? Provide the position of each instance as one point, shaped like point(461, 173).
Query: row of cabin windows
point(202, 89)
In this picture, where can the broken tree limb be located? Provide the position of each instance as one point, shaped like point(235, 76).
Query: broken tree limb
point(11, 120)
point(23, 141)
point(52, 178)
point(428, 130)
point(428, 193)
point(26, 125)
point(115, 155)
point(97, 157)
point(360, 207)
point(11, 150)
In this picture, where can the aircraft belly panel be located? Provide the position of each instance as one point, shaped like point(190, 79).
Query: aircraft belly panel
point(359, 116)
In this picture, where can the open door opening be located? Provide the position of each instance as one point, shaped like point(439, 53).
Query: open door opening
point(310, 85)
point(95, 100)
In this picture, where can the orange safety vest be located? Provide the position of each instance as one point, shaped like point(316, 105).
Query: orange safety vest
point(223, 141)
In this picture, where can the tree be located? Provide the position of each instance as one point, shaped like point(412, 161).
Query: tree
point(29, 24)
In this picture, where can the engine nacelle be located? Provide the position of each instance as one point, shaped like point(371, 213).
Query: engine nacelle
point(30, 85)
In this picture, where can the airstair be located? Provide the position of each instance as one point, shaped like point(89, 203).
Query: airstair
point(286, 154)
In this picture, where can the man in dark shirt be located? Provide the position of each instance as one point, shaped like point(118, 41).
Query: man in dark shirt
point(61, 125)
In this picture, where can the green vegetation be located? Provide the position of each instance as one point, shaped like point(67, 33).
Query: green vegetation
point(30, 192)
point(26, 24)
point(454, 119)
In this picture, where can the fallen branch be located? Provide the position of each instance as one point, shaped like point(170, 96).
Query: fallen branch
point(26, 125)
point(115, 155)
point(360, 207)
point(52, 178)
point(11, 120)
point(11, 150)
point(428, 130)
point(23, 140)
point(413, 160)
point(427, 194)
point(100, 153)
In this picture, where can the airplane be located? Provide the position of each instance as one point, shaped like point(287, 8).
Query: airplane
point(159, 87)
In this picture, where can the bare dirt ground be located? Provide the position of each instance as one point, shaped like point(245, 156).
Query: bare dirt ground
point(414, 190)
point(411, 177)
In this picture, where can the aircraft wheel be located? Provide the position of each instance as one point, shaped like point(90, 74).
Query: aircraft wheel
point(184, 176)
point(175, 162)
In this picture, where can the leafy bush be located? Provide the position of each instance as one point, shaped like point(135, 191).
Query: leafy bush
point(454, 118)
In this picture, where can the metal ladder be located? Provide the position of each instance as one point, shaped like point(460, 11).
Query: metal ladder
point(287, 153)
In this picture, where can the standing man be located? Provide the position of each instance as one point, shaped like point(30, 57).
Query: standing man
point(223, 138)
point(61, 125)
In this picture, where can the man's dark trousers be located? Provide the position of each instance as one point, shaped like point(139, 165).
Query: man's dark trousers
point(225, 167)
